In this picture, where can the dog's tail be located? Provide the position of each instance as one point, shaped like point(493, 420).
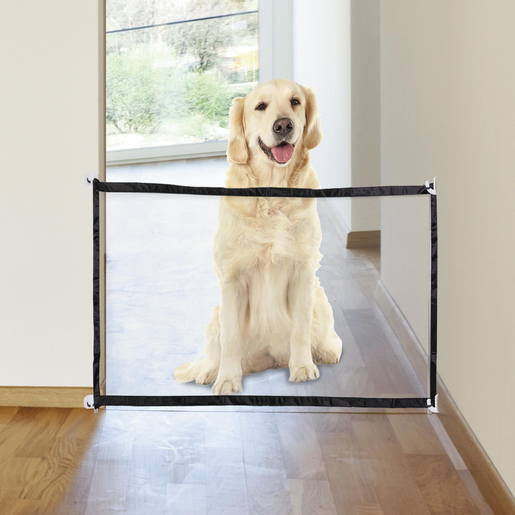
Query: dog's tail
point(188, 371)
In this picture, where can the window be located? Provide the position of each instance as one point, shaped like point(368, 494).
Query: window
point(173, 68)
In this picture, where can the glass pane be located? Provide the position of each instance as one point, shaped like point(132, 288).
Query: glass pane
point(172, 84)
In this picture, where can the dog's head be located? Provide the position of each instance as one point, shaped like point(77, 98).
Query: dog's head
point(274, 122)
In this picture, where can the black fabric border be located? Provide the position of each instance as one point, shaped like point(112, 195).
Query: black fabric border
point(96, 292)
point(433, 310)
point(371, 191)
point(260, 400)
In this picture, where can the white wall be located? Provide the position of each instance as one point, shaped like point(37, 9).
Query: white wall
point(49, 141)
point(365, 111)
point(448, 109)
point(336, 51)
point(321, 60)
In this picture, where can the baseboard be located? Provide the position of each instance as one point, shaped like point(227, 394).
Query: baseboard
point(492, 486)
point(352, 239)
point(363, 239)
point(44, 397)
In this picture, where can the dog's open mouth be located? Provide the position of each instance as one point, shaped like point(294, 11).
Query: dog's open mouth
point(280, 154)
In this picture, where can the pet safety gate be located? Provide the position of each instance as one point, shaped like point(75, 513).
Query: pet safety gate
point(191, 297)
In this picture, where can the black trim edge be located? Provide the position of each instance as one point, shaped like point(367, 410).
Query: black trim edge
point(371, 191)
point(433, 310)
point(261, 400)
point(96, 292)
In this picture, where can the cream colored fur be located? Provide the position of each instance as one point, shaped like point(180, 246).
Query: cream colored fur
point(273, 312)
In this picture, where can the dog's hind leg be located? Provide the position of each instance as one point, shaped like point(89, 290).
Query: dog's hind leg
point(326, 345)
point(204, 370)
point(330, 352)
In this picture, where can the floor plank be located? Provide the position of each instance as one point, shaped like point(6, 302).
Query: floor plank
point(415, 434)
point(396, 489)
point(311, 497)
point(226, 485)
point(438, 482)
point(349, 472)
point(187, 499)
point(301, 450)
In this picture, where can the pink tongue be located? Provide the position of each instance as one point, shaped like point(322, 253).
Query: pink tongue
point(283, 153)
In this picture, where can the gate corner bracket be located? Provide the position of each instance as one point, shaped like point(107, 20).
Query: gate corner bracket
point(89, 403)
point(431, 408)
point(431, 190)
point(89, 178)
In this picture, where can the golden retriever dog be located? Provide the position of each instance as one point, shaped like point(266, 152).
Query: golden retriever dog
point(273, 312)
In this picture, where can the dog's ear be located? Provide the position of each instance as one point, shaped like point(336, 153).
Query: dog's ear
point(313, 128)
point(237, 151)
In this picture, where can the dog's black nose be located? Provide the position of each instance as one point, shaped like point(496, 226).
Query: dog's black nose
point(283, 126)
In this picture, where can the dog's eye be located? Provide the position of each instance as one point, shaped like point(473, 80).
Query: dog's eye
point(295, 102)
point(261, 107)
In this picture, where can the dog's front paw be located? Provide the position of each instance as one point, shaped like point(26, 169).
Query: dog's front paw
point(207, 376)
point(227, 386)
point(305, 372)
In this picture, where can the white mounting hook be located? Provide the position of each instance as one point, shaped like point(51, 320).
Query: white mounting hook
point(433, 189)
point(89, 403)
point(90, 177)
point(433, 409)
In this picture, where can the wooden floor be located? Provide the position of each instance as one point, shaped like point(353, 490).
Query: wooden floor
point(75, 462)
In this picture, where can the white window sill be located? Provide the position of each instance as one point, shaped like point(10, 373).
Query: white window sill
point(169, 153)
